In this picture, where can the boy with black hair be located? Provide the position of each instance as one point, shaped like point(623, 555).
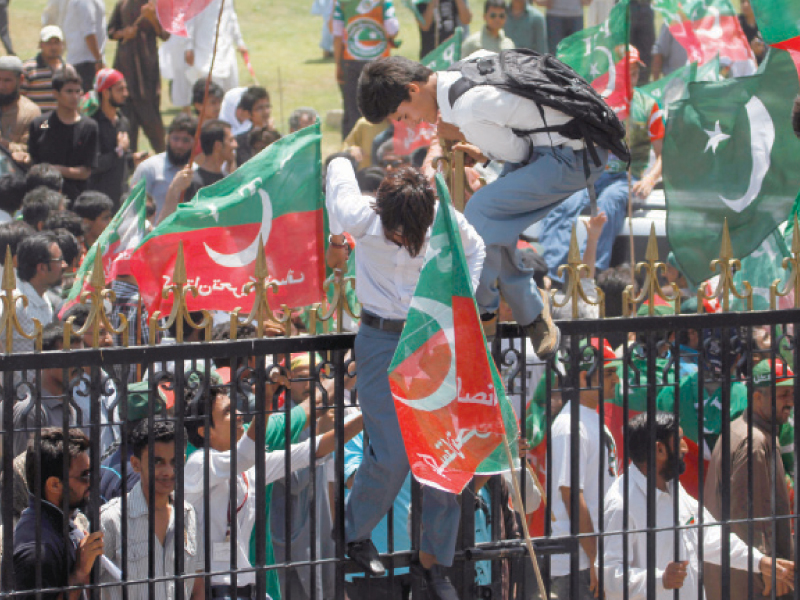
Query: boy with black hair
point(38, 204)
point(11, 234)
point(140, 504)
point(44, 174)
point(254, 108)
point(392, 234)
point(40, 545)
point(96, 209)
point(66, 219)
point(12, 191)
point(211, 422)
point(65, 138)
point(542, 169)
point(214, 103)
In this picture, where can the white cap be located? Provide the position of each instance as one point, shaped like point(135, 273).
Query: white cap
point(49, 32)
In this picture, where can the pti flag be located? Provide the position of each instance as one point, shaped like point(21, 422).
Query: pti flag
point(779, 24)
point(116, 244)
point(407, 138)
point(173, 14)
point(706, 28)
point(600, 55)
point(446, 53)
point(730, 152)
point(448, 395)
point(275, 198)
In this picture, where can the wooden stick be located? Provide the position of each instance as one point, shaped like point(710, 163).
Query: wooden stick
point(520, 508)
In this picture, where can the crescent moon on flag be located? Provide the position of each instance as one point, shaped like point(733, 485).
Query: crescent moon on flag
point(612, 71)
point(248, 255)
point(447, 391)
point(762, 137)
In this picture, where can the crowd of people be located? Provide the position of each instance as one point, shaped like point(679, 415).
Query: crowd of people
point(70, 124)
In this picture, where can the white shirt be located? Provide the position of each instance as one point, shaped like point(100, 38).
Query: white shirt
point(201, 30)
point(218, 495)
point(227, 112)
point(137, 545)
point(82, 18)
point(593, 457)
point(386, 275)
point(688, 513)
point(486, 116)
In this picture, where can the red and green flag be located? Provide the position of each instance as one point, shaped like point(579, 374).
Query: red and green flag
point(706, 28)
point(779, 24)
point(600, 55)
point(730, 152)
point(275, 197)
point(449, 397)
point(115, 245)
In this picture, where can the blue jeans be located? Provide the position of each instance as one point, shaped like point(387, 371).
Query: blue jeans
point(559, 28)
point(385, 464)
point(501, 211)
point(612, 198)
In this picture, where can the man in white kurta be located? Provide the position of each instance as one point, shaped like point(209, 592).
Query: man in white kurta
point(200, 45)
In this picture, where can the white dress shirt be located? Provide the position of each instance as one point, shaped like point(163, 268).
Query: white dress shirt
point(591, 461)
point(386, 274)
point(137, 545)
point(39, 307)
point(217, 497)
point(486, 116)
point(688, 514)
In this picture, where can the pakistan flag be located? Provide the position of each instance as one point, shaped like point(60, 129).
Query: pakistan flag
point(730, 152)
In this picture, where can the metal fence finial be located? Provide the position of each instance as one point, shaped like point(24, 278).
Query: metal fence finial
point(180, 314)
point(792, 264)
point(9, 322)
point(726, 263)
point(651, 286)
point(574, 268)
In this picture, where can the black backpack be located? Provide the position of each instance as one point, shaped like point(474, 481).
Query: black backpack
point(548, 82)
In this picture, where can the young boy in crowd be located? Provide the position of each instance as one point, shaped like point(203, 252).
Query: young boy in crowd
point(211, 422)
point(541, 170)
point(96, 210)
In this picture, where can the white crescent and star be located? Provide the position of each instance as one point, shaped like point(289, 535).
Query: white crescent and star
point(762, 138)
point(248, 255)
point(446, 392)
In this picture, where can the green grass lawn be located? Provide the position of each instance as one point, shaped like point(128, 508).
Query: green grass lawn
point(283, 38)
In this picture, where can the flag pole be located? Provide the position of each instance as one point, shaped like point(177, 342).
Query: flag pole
point(205, 93)
point(629, 89)
point(520, 508)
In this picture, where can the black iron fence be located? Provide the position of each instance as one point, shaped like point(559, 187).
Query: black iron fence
point(699, 368)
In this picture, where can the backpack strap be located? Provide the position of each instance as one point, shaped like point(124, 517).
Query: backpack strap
point(458, 89)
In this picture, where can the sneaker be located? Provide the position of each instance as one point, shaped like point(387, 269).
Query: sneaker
point(433, 583)
point(544, 334)
point(366, 556)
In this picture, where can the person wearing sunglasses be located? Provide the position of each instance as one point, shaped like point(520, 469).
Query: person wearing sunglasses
point(491, 36)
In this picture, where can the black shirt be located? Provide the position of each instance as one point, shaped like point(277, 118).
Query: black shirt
point(244, 151)
point(52, 141)
point(111, 174)
point(56, 555)
point(200, 179)
point(447, 25)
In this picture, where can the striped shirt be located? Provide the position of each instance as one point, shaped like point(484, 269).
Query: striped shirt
point(37, 83)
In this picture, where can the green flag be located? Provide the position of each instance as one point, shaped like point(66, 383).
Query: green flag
point(779, 24)
point(761, 268)
point(446, 53)
point(449, 397)
point(116, 244)
point(599, 55)
point(673, 87)
point(729, 152)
